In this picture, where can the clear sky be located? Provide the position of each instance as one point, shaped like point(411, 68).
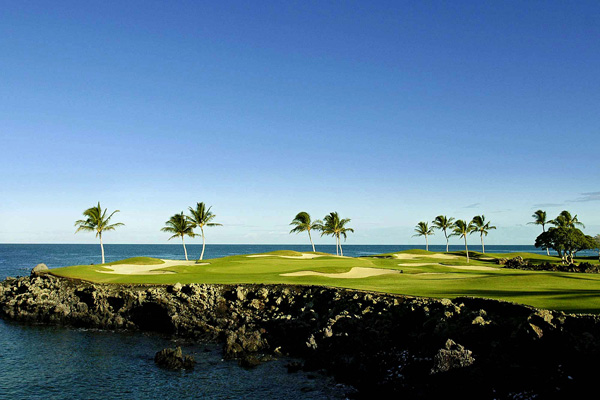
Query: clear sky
point(388, 112)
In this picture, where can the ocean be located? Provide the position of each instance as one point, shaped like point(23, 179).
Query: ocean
point(45, 362)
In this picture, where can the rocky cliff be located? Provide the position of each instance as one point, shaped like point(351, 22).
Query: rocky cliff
point(381, 344)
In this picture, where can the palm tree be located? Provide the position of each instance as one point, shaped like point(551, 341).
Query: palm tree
point(565, 220)
point(540, 219)
point(479, 225)
point(423, 229)
point(334, 226)
point(180, 226)
point(303, 223)
point(201, 217)
point(444, 223)
point(462, 229)
point(96, 221)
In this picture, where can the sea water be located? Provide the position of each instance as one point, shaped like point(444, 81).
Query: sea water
point(47, 362)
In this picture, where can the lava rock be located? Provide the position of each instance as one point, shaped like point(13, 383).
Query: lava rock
point(452, 356)
point(174, 359)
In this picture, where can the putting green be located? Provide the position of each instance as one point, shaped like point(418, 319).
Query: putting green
point(413, 272)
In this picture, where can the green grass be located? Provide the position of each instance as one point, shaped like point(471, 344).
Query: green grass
point(570, 292)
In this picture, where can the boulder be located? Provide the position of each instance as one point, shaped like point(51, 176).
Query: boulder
point(452, 356)
point(174, 359)
point(39, 269)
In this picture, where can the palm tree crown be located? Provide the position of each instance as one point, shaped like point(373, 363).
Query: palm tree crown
point(303, 223)
point(443, 223)
point(201, 217)
point(462, 229)
point(540, 218)
point(423, 229)
point(479, 225)
point(334, 226)
point(97, 221)
point(180, 226)
point(565, 220)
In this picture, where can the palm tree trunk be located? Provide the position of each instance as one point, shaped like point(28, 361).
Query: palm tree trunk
point(101, 248)
point(547, 249)
point(446, 241)
point(466, 248)
point(341, 251)
point(203, 243)
point(337, 251)
point(482, 245)
point(311, 242)
point(426, 244)
point(184, 249)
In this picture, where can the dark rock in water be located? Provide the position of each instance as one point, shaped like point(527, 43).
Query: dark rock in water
point(294, 366)
point(452, 356)
point(249, 361)
point(174, 359)
point(39, 270)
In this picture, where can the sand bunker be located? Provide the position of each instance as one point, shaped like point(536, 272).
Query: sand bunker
point(303, 256)
point(408, 256)
point(469, 267)
point(356, 272)
point(155, 269)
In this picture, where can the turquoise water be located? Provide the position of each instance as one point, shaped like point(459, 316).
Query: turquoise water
point(41, 362)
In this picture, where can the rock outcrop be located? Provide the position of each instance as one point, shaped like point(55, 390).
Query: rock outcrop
point(174, 359)
point(387, 345)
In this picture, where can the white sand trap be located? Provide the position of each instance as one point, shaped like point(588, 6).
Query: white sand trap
point(472, 267)
point(408, 256)
point(356, 272)
point(154, 269)
point(416, 264)
point(303, 256)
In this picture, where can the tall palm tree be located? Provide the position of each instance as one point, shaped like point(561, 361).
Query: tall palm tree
point(180, 226)
point(565, 220)
point(201, 217)
point(97, 221)
point(423, 229)
point(479, 225)
point(303, 223)
point(540, 219)
point(334, 226)
point(443, 223)
point(462, 229)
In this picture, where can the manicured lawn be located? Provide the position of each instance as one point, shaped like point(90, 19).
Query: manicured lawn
point(428, 274)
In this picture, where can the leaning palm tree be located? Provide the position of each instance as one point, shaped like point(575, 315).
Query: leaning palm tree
point(97, 221)
point(180, 226)
point(334, 226)
point(540, 219)
point(479, 225)
point(423, 229)
point(201, 217)
point(565, 220)
point(303, 223)
point(443, 223)
point(462, 229)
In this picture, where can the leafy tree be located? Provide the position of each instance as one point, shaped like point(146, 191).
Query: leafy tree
point(540, 218)
point(303, 223)
point(180, 226)
point(479, 225)
point(332, 225)
point(97, 221)
point(462, 229)
point(423, 229)
point(597, 245)
point(566, 241)
point(444, 223)
point(201, 217)
point(565, 220)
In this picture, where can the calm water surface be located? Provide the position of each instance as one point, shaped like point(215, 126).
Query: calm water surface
point(40, 362)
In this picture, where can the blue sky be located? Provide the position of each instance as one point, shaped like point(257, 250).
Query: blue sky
point(388, 112)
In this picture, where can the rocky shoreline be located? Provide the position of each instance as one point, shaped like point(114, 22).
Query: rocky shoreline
point(378, 343)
